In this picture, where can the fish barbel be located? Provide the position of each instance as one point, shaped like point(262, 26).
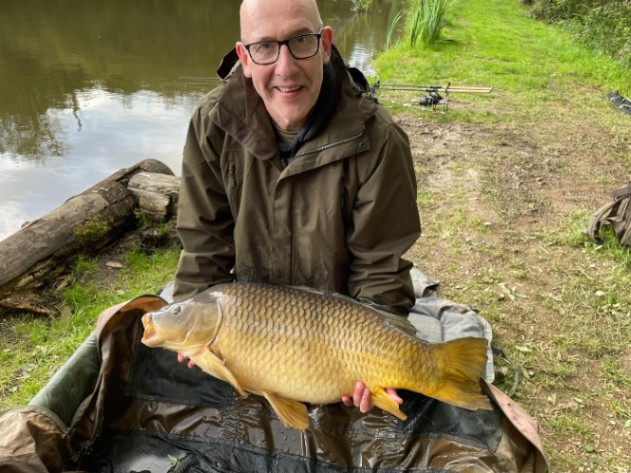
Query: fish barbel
point(296, 345)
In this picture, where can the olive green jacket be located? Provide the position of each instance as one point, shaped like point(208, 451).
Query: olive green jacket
point(338, 217)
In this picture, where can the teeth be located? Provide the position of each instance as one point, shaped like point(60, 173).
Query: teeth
point(288, 89)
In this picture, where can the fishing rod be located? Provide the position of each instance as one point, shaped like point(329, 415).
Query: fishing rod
point(432, 97)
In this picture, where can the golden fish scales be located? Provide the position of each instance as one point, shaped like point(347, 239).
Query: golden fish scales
point(297, 336)
point(293, 346)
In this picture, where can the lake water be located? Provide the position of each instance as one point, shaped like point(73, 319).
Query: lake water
point(89, 87)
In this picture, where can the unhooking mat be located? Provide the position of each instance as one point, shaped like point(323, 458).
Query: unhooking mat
point(120, 407)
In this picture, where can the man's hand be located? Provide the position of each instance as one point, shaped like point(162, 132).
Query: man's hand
point(361, 397)
point(181, 358)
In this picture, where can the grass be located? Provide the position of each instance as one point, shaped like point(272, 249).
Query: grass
point(393, 21)
point(35, 348)
point(494, 44)
point(602, 23)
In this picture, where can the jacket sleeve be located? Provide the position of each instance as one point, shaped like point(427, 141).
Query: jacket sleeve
point(385, 225)
point(205, 223)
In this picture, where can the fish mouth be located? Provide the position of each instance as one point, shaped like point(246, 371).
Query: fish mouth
point(149, 337)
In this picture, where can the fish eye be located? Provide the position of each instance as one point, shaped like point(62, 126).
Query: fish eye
point(177, 309)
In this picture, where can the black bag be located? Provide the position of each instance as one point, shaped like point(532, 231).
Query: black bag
point(619, 102)
point(616, 213)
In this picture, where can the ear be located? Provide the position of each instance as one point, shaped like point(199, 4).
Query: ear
point(327, 42)
point(244, 57)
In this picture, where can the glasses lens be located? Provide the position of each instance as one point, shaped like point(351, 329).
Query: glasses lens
point(305, 46)
point(265, 52)
point(301, 47)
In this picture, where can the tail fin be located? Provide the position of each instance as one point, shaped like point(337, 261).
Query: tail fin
point(463, 362)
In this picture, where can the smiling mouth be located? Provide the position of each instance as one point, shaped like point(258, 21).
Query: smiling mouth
point(288, 90)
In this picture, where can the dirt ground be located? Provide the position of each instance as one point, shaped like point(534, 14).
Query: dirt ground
point(496, 196)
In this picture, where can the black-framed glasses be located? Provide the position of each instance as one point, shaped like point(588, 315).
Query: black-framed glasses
point(302, 46)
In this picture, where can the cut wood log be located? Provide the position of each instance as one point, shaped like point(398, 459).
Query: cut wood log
point(156, 194)
point(40, 251)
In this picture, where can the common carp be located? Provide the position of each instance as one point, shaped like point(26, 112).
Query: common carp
point(294, 345)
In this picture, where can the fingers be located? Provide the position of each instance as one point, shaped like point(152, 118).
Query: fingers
point(365, 405)
point(356, 398)
point(358, 394)
point(394, 395)
point(361, 397)
point(182, 358)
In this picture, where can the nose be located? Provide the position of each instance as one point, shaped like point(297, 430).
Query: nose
point(285, 61)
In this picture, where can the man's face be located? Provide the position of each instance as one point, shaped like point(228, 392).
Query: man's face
point(289, 87)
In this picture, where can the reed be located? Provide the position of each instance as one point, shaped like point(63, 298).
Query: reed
point(393, 21)
point(427, 19)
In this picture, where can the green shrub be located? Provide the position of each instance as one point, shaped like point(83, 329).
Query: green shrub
point(601, 24)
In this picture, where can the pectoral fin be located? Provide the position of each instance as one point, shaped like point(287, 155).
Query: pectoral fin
point(291, 413)
point(381, 399)
point(215, 366)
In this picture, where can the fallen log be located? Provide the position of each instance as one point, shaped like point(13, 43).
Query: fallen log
point(156, 194)
point(40, 251)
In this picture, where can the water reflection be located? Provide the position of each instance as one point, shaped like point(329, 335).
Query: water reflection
point(88, 87)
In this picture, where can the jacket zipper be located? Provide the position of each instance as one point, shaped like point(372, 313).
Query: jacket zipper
point(330, 145)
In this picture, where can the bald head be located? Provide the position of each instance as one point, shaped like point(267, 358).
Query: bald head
point(255, 13)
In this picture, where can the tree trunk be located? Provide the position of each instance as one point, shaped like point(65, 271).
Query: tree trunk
point(39, 252)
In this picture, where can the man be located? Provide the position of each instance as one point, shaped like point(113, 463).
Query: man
point(292, 175)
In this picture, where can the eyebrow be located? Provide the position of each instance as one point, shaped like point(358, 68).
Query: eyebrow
point(299, 32)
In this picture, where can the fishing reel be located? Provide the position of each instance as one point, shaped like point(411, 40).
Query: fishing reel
point(432, 99)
